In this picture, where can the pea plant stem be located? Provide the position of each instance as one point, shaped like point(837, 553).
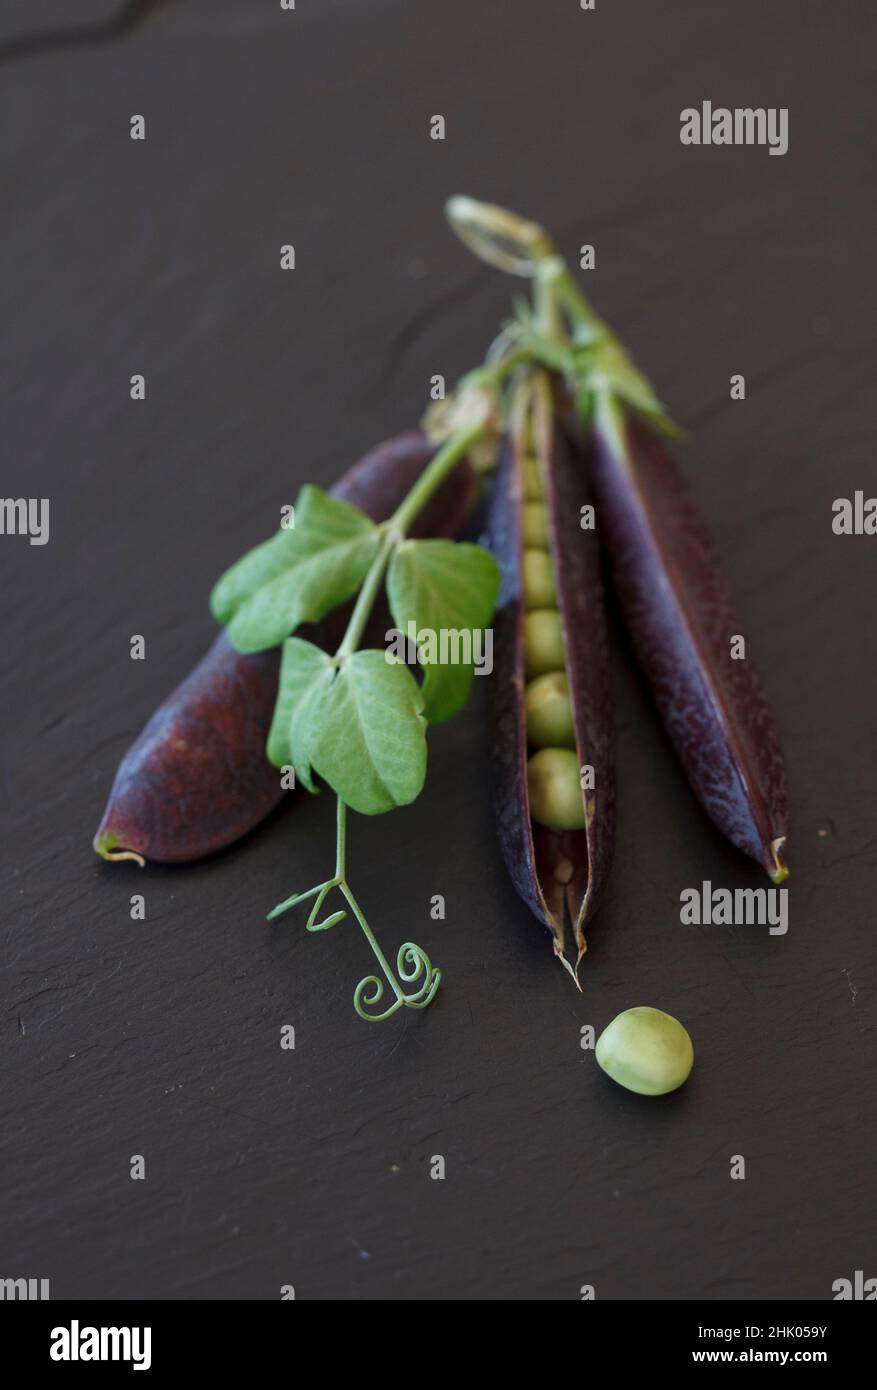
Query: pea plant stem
point(341, 879)
point(610, 416)
point(341, 842)
point(412, 963)
point(432, 477)
point(366, 599)
point(557, 286)
point(564, 332)
point(447, 458)
point(514, 244)
point(499, 370)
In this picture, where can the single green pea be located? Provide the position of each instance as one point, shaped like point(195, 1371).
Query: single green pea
point(535, 526)
point(543, 642)
point(555, 789)
point(539, 587)
point(646, 1050)
point(532, 481)
point(549, 712)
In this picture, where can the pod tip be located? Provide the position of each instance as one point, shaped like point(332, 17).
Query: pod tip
point(566, 965)
point(579, 958)
point(109, 847)
point(779, 871)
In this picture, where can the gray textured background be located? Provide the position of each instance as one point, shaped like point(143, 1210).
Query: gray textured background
point(161, 1038)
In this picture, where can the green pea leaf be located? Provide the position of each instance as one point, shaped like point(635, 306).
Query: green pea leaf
point(301, 667)
point(661, 423)
point(609, 365)
point(361, 729)
point(299, 575)
point(450, 590)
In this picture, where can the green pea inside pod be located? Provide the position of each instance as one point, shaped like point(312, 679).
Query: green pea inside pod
point(535, 526)
point(532, 481)
point(539, 587)
point(549, 712)
point(555, 789)
point(646, 1050)
point(543, 642)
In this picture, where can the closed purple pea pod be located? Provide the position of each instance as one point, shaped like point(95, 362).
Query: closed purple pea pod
point(681, 619)
point(197, 778)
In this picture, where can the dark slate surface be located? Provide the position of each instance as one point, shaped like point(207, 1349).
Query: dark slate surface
point(161, 1038)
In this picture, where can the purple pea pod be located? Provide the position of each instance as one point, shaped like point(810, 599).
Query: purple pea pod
point(197, 778)
point(681, 618)
point(558, 868)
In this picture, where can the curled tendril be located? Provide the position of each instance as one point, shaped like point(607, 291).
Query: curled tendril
point(411, 963)
point(361, 999)
point(312, 923)
point(499, 237)
point(416, 958)
point(329, 922)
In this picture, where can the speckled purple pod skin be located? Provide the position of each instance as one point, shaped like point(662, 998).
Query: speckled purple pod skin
point(559, 874)
point(681, 619)
point(197, 778)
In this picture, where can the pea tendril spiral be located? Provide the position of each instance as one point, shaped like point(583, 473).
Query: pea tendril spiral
point(412, 962)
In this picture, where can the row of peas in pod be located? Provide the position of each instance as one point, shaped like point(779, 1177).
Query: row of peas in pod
point(553, 775)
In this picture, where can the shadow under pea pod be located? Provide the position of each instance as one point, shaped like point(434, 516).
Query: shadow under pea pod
point(553, 718)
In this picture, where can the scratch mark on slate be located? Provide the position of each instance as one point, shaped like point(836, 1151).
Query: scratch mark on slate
point(116, 26)
point(403, 340)
point(852, 988)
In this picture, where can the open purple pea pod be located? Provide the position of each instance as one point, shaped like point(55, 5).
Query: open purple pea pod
point(673, 596)
point(558, 873)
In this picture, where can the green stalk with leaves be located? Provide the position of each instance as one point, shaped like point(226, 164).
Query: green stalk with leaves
point(357, 718)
